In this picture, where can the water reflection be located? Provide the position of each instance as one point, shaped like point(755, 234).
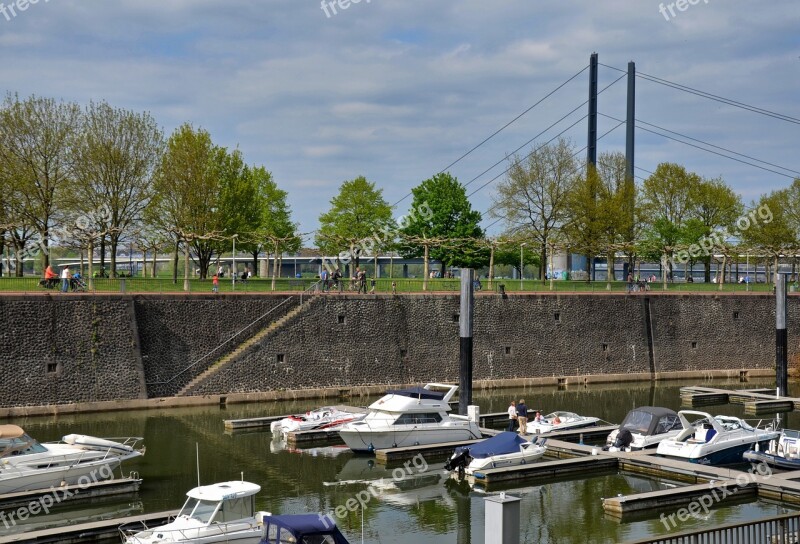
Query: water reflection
point(428, 508)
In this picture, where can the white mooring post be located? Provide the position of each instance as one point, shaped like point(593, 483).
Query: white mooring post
point(502, 519)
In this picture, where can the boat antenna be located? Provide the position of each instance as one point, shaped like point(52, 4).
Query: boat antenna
point(197, 452)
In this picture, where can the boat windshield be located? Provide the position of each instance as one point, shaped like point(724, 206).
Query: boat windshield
point(637, 421)
point(199, 509)
point(23, 445)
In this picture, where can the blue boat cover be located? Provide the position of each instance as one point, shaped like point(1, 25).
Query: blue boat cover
point(305, 525)
point(417, 393)
point(500, 444)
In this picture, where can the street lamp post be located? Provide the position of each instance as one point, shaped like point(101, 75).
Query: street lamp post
point(233, 268)
point(521, 264)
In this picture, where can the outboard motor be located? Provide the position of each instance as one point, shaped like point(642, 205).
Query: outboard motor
point(459, 460)
point(624, 439)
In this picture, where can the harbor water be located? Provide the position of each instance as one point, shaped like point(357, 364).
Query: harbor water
point(415, 503)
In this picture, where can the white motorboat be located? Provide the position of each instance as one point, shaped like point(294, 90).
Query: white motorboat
point(714, 440)
point(644, 427)
point(410, 417)
point(26, 464)
point(328, 418)
point(223, 512)
point(506, 449)
point(560, 421)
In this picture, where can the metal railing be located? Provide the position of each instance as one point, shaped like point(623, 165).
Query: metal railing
point(783, 529)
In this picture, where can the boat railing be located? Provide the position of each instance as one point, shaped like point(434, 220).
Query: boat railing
point(188, 534)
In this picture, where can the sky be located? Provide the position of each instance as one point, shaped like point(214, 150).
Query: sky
point(398, 90)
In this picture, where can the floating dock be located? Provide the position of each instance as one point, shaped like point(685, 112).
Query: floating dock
point(89, 532)
point(755, 401)
point(119, 486)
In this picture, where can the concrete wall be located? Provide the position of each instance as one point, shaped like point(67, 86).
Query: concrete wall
point(65, 349)
point(356, 341)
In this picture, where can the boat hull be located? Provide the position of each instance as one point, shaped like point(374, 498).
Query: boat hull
point(502, 461)
point(12, 481)
point(771, 459)
point(367, 441)
point(724, 456)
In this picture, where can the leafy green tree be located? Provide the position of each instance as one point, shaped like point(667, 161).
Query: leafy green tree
point(769, 226)
point(532, 200)
point(508, 254)
point(716, 208)
point(443, 226)
point(357, 216)
point(117, 153)
point(37, 140)
point(667, 202)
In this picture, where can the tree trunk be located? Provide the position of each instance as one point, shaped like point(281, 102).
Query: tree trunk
point(114, 243)
point(275, 274)
point(665, 269)
point(255, 263)
point(186, 265)
point(90, 275)
point(425, 268)
point(776, 275)
point(610, 269)
point(103, 252)
point(721, 279)
point(155, 255)
point(175, 261)
point(543, 263)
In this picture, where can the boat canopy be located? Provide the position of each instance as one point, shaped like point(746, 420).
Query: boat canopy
point(299, 527)
point(224, 491)
point(11, 431)
point(417, 393)
point(651, 420)
point(501, 444)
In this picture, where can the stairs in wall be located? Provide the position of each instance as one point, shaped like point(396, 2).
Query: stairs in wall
point(233, 355)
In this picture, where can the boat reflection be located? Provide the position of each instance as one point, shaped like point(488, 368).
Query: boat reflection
point(70, 514)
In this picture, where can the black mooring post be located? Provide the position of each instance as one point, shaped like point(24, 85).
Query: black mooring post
point(781, 341)
point(465, 335)
point(591, 147)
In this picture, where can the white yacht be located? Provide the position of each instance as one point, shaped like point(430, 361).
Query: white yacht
point(26, 464)
point(718, 440)
point(223, 512)
point(410, 417)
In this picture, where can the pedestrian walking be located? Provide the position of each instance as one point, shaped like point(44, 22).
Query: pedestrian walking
point(65, 277)
point(215, 283)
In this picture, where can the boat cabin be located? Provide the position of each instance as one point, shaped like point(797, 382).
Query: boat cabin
point(650, 421)
point(221, 503)
point(301, 529)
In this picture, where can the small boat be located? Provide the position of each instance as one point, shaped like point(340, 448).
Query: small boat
point(301, 529)
point(506, 449)
point(781, 453)
point(223, 512)
point(644, 427)
point(714, 440)
point(26, 464)
point(560, 421)
point(328, 418)
point(410, 417)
